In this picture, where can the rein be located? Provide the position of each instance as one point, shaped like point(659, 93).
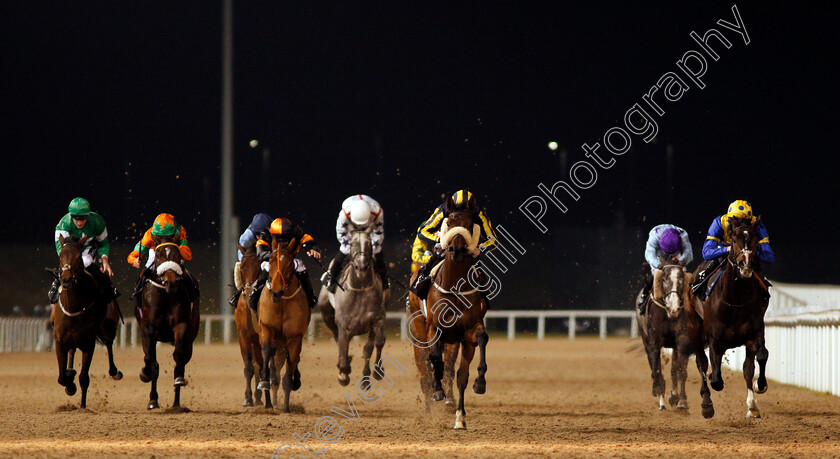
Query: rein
point(73, 314)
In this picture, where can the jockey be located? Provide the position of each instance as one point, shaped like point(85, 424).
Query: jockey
point(428, 234)
point(359, 213)
point(667, 242)
point(255, 231)
point(283, 230)
point(421, 252)
point(78, 222)
point(719, 240)
point(164, 226)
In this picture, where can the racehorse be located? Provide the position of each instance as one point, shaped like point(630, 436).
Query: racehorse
point(247, 325)
point(454, 317)
point(665, 325)
point(356, 309)
point(733, 313)
point(80, 318)
point(167, 315)
point(284, 318)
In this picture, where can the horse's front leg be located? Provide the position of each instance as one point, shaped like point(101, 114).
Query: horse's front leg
point(291, 379)
point(63, 380)
point(150, 370)
point(707, 407)
point(749, 372)
point(436, 358)
point(761, 355)
point(182, 355)
point(467, 353)
point(84, 376)
point(109, 334)
point(343, 356)
point(481, 339)
point(379, 332)
point(655, 361)
point(367, 351)
point(450, 355)
point(716, 352)
point(269, 348)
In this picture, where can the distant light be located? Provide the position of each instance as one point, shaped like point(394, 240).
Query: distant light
point(552, 145)
point(254, 143)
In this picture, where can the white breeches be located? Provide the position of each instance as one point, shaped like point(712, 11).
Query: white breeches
point(299, 266)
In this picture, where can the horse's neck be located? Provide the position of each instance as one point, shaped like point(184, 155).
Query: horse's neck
point(734, 291)
point(451, 272)
point(362, 280)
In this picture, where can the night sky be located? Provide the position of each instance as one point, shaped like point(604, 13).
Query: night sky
point(120, 102)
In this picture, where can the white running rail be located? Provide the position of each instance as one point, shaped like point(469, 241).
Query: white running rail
point(21, 334)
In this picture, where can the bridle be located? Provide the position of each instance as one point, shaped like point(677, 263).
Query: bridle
point(356, 254)
point(672, 292)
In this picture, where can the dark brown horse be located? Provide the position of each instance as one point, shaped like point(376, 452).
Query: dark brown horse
point(80, 318)
point(733, 313)
point(247, 324)
point(284, 318)
point(454, 314)
point(666, 325)
point(167, 315)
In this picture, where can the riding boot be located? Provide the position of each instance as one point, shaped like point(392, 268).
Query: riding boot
point(234, 299)
point(699, 284)
point(381, 268)
point(335, 271)
point(254, 296)
point(303, 276)
point(643, 296)
point(424, 281)
point(54, 290)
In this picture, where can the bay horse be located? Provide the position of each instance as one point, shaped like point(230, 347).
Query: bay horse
point(666, 325)
point(454, 317)
point(80, 318)
point(733, 313)
point(356, 309)
point(247, 325)
point(284, 319)
point(167, 315)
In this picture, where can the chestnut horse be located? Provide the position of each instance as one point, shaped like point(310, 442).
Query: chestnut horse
point(247, 325)
point(666, 325)
point(453, 315)
point(733, 313)
point(284, 318)
point(80, 318)
point(167, 315)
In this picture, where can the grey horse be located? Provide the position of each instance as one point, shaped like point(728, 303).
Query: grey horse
point(356, 307)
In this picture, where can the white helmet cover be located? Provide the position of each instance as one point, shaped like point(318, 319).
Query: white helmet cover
point(360, 212)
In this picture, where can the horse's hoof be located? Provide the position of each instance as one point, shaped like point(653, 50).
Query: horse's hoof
point(450, 403)
point(438, 396)
point(70, 389)
point(365, 385)
point(673, 400)
point(708, 411)
point(118, 376)
point(296, 384)
point(180, 382)
point(479, 388)
point(682, 405)
point(758, 390)
point(145, 377)
point(248, 402)
point(717, 385)
point(460, 422)
point(376, 374)
point(263, 385)
point(70, 373)
point(662, 408)
point(753, 414)
point(343, 379)
point(153, 405)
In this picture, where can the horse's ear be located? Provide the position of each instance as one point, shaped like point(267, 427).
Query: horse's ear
point(83, 240)
point(274, 243)
point(156, 240)
point(450, 204)
point(657, 284)
point(291, 244)
point(241, 249)
point(471, 205)
point(757, 221)
point(61, 240)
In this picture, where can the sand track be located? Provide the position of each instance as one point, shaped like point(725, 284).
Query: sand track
point(552, 398)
